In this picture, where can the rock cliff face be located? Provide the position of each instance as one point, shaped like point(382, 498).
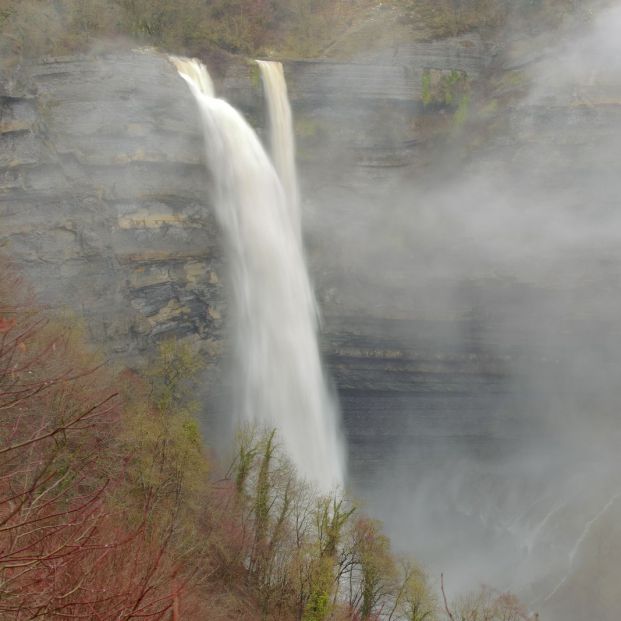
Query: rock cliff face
point(105, 204)
point(103, 193)
point(103, 198)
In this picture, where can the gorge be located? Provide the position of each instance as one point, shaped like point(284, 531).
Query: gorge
point(467, 277)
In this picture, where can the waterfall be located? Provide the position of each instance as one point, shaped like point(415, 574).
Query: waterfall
point(278, 369)
point(195, 73)
point(281, 131)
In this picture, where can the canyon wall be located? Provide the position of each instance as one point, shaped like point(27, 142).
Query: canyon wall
point(104, 198)
point(104, 201)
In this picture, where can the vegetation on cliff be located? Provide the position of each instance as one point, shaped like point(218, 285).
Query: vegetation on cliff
point(107, 508)
point(444, 18)
point(194, 27)
point(299, 28)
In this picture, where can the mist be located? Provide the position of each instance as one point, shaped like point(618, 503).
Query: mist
point(504, 263)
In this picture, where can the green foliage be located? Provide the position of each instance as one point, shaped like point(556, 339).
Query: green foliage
point(263, 488)
point(461, 113)
point(319, 601)
point(246, 453)
point(426, 84)
point(172, 373)
point(445, 88)
point(378, 568)
point(332, 516)
point(314, 557)
point(415, 600)
point(451, 85)
point(5, 13)
point(163, 437)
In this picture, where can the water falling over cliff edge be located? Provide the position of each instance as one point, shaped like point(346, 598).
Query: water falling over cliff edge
point(278, 369)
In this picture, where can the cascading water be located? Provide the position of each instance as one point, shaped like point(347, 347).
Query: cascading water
point(278, 367)
point(281, 131)
point(195, 74)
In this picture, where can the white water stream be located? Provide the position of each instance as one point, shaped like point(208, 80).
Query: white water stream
point(278, 370)
point(282, 140)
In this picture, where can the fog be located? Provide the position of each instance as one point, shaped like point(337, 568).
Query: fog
point(511, 252)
